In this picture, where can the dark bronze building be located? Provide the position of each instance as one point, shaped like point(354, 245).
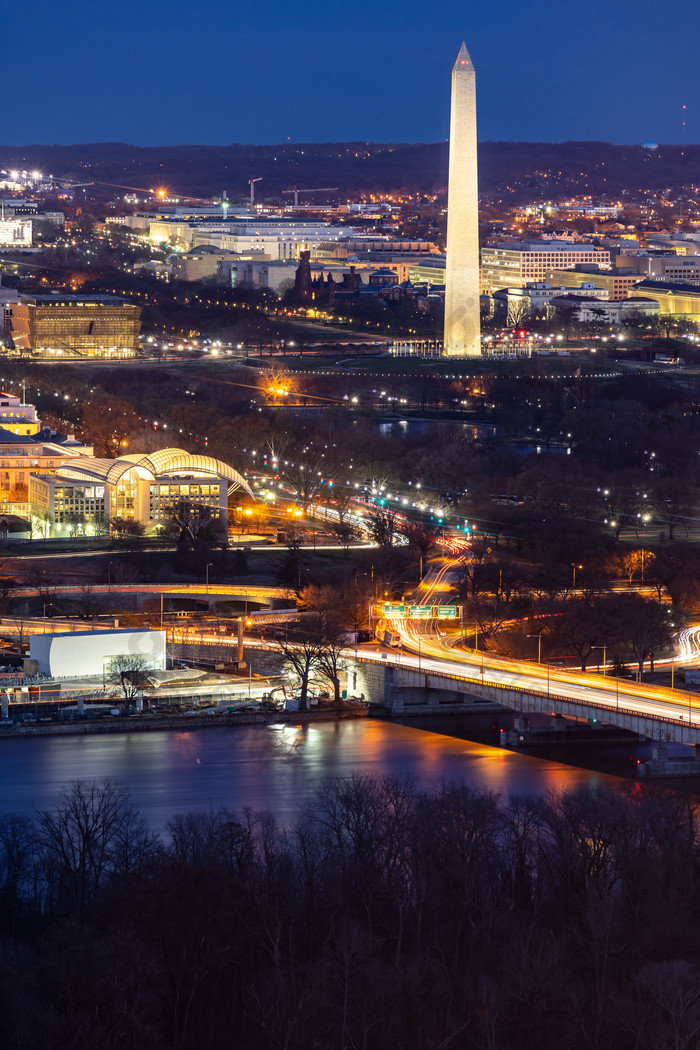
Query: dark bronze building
point(75, 325)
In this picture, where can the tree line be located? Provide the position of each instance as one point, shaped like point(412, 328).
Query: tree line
point(387, 914)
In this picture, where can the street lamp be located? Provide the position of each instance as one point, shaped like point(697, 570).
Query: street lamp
point(47, 605)
point(109, 576)
point(604, 648)
point(209, 565)
point(539, 645)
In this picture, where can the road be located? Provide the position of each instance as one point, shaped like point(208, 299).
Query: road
point(440, 651)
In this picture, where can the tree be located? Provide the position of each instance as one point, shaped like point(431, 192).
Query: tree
point(8, 589)
point(75, 524)
point(196, 523)
point(641, 624)
point(382, 527)
point(331, 644)
point(41, 524)
point(421, 539)
point(582, 627)
point(634, 561)
point(80, 839)
point(129, 672)
point(46, 588)
point(308, 472)
point(674, 502)
point(301, 654)
point(88, 605)
point(125, 529)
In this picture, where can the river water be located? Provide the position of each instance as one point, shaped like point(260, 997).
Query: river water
point(266, 769)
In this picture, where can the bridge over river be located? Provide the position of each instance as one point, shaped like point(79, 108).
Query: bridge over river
point(470, 682)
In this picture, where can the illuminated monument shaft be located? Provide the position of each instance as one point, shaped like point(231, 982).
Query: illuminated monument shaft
point(462, 335)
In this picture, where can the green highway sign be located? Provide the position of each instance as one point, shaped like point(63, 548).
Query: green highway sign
point(446, 612)
point(393, 609)
point(421, 612)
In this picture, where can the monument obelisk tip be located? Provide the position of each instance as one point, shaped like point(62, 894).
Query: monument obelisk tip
point(463, 59)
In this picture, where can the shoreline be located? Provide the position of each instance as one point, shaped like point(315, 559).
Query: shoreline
point(148, 723)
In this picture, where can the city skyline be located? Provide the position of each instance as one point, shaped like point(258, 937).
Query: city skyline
point(168, 79)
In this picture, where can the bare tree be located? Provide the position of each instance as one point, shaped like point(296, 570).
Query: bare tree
point(129, 673)
point(79, 837)
point(301, 654)
point(46, 588)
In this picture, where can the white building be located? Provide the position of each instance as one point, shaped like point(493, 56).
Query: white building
point(277, 238)
point(512, 265)
point(78, 653)
point(15, 233)
point(591, 308)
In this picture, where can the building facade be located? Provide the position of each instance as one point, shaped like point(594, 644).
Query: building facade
point(75, 325)
point(680, 300)
point(94, 653)
point(512, 265)
point(617, 284)
point(88, 495)
point(20, 457)
point(15, 233)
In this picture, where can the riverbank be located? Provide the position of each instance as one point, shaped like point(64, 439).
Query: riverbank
point(154, 723)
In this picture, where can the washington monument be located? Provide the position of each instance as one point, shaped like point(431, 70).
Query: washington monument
point(462, 336)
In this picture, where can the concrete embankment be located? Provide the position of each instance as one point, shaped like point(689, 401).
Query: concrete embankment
point(183, 723)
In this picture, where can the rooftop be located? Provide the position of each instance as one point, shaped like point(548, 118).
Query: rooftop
point(74, 300)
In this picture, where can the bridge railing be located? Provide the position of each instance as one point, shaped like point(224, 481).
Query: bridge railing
point(555, 697)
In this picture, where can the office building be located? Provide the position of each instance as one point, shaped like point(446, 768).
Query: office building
point(462, 321)
point(512, 265)
point(279, 239)
point(676, 269)
point(429, 271)
point(16, 208)
point(617, 284)
point(23, 455)
point(515, 306)
point(198, 264)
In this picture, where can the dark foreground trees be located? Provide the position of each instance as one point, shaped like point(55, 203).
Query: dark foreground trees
point(387, 915)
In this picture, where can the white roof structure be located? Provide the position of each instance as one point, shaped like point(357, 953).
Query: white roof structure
point(153, 466)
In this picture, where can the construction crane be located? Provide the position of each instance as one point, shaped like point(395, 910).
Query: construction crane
point(251, 183)
point(319, 189)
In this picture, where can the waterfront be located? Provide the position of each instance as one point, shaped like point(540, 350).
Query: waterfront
point(265, 769)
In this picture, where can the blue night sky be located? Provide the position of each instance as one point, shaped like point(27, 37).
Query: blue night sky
point(154, 72)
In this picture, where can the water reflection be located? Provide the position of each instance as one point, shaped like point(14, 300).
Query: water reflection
point(275, 770)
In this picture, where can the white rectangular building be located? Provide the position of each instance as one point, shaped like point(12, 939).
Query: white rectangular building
point(512, 265)
point(76, 653)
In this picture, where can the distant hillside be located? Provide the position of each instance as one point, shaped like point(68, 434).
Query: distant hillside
point(511, 170)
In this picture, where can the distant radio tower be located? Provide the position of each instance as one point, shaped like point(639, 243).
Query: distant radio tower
point(683, 130)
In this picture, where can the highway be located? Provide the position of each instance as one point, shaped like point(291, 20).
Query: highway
point(439, 650)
